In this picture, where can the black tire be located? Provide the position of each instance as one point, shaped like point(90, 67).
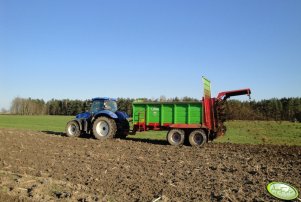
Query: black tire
point(176, 137)
point(123, 129)
point(72, 129)
point(104, 128)
point(197, 138)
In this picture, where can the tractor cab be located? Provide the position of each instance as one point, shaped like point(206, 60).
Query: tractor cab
point(99, 104)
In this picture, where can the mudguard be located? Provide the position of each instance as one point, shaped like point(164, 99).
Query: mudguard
point(106, 113)
point(78, 122)
point(84, 115)
point(122, 115)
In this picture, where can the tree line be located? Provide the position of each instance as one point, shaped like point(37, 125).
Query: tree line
point(284, 109)
point(28, 106)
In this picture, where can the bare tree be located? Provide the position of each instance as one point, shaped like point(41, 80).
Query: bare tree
point(4, 111)
point(163, 98)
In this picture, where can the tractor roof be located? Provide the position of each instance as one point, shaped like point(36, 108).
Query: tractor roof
point(103, 98)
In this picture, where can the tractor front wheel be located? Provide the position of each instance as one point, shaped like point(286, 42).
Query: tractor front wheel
point(72, 129)
point(104, 128)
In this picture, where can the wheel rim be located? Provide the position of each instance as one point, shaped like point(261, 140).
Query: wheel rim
point(102, 128)
point(176, 137)
point(72, 129)
point(198, 138)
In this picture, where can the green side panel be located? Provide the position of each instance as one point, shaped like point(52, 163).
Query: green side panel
point(168, 113)
point(181, 113)
point(196, 113)
point(154, 112)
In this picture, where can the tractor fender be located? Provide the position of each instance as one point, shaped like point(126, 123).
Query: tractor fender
point(106, 113)
point(78, 122)
point(122, 115)
point(84, 115)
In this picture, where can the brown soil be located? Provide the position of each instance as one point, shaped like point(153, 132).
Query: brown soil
point(36, 166)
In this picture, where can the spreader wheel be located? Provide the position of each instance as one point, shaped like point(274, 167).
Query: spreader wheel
point(176, 137)
point(197, 138)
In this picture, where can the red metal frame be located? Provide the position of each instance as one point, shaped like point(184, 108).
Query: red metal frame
point(209, 120)
point(185, 126)
point(141, 126)
point(226, 94)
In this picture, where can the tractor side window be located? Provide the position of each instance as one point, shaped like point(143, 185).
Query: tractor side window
point(97, 105)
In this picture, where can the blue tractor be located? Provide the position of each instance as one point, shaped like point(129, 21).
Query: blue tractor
point(103, 120)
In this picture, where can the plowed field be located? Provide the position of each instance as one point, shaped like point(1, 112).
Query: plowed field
point(36, 166)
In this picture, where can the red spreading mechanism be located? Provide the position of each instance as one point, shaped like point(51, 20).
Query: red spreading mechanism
point(227, 94)
point(213, 112)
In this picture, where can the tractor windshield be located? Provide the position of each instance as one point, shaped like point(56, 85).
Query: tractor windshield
point(110, 105)
point(98, 105)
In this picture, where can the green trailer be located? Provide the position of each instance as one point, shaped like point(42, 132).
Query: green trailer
point(196, 122)
point(148, 115)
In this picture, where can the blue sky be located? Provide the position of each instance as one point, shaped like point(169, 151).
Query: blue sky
point(147, 48)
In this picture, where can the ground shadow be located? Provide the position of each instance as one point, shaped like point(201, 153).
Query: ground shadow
point(150, 141)
point(88, 136)
point(53, 133)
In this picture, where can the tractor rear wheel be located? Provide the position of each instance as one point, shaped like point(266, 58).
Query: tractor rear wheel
point(104, 128)
point(123, 129)
point(72, 129)
point(197, 138)
point(176, 137)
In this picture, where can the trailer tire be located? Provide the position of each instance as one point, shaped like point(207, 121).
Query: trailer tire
point(176, 137)
point(104, 128)
point(72, 129)
point(197, 138)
